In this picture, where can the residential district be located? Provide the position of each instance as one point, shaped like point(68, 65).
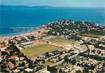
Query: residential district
point(80, 49)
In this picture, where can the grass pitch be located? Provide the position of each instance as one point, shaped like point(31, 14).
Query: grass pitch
point(38, 50)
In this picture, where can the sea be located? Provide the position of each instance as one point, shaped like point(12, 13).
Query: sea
point(16, 20)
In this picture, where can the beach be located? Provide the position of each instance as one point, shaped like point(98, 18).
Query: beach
point(52, 36)
point(60, 44)
point(34, 32)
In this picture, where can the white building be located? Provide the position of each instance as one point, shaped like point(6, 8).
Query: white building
point(26, 44)
point(43, 71)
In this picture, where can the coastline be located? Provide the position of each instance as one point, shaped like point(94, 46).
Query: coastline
point(53, 46)
point(35, 32)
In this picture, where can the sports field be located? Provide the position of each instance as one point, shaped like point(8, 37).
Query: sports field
point(38, 50)
point(55, 44)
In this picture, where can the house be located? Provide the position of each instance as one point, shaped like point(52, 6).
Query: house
point(26, 44)
point(3, 49)
point(28, 70)
point(44, 71)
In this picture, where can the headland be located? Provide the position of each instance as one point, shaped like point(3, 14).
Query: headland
point(63, 46)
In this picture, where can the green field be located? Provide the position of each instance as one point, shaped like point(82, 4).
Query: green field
point(62, 41)
point(38, 50)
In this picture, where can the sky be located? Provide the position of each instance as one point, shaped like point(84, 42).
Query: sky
point(56, 3)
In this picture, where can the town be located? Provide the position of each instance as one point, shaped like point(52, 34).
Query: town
point(63, 46)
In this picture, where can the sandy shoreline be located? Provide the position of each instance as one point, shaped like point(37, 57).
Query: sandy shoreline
point(34, 32)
